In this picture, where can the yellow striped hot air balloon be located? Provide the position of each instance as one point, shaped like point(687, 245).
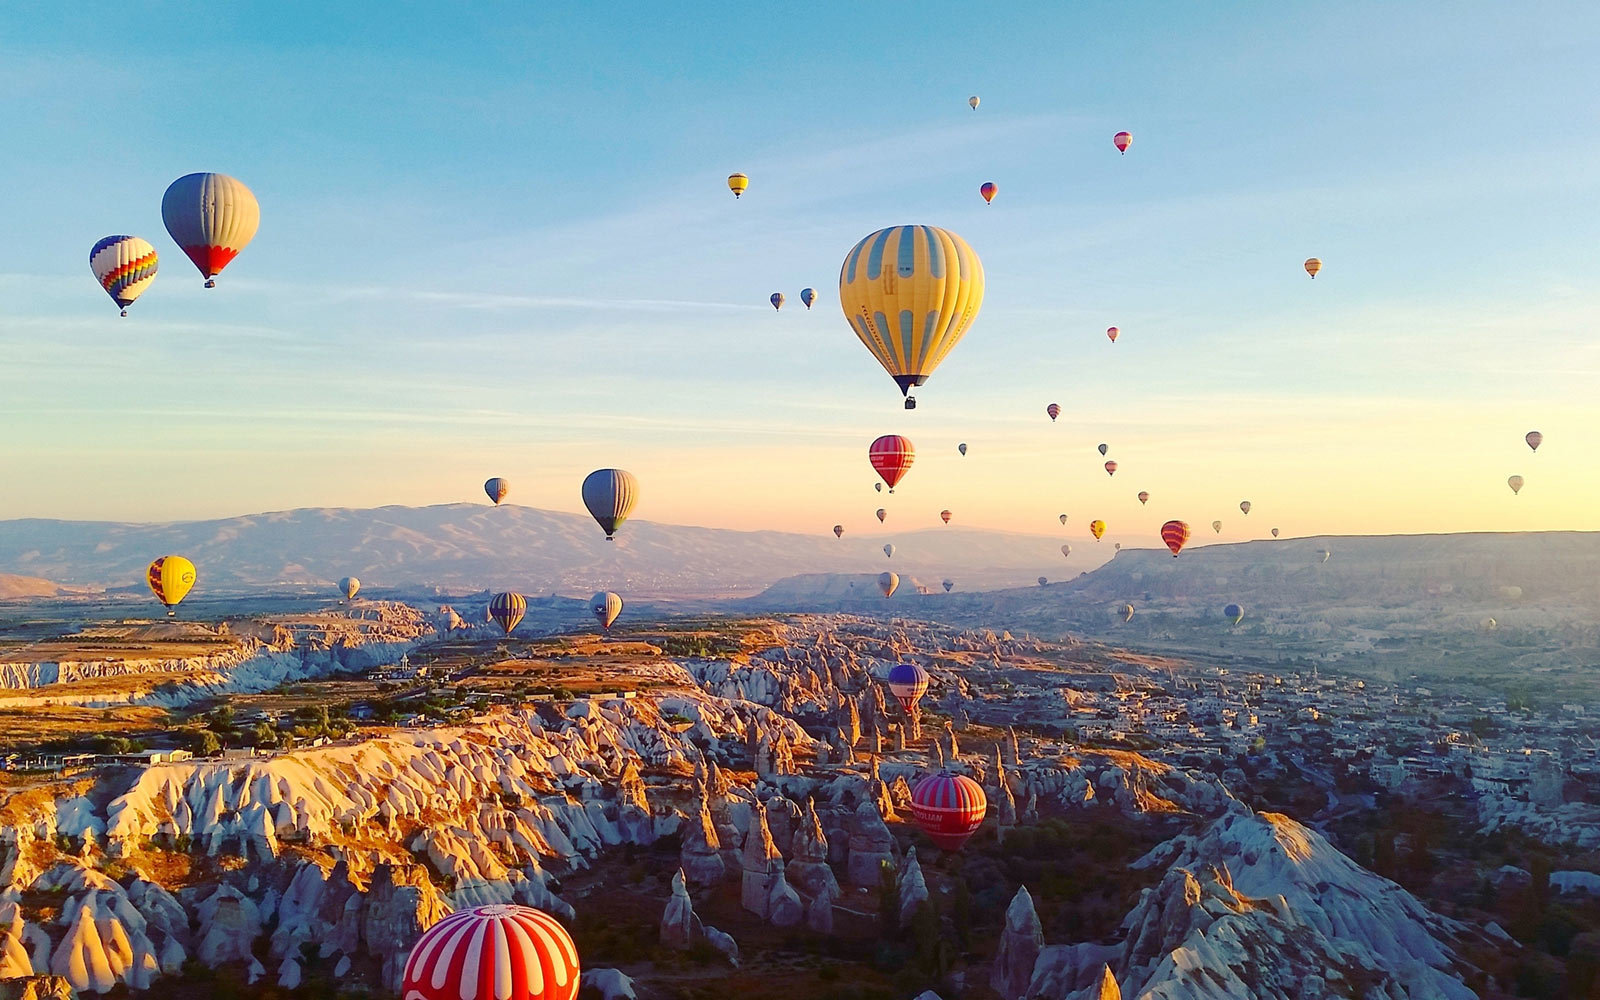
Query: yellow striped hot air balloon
point(910, 293)
point(737, 183)
point(170, 579)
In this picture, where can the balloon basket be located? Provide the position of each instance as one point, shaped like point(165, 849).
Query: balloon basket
point(211, 282)
point(911, 404)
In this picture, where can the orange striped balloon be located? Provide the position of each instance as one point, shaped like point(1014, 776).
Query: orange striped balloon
point(1175, 534)
point(891, 455)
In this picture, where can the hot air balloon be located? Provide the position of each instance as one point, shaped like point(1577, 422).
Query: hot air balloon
point(891, 455)
point(1489, 624)
point(944, 516)
point(948, 584)
point(1534, 439)
point(988, 191)
point(1175, 534)
point(497, 488)
point(949, 808)
point(1515, 482)
point(1235, 612)
point(973, 102)
point(1117, 546)
point(212, 217)
point(125, 266)
point(1111, 468)
point(1066, 550)
point(1216, 526)
point(808, 296)
point(1324, 553)
point(497, 952)
point(1144, 498)
point(1054, 409)
point(610, 495)
point(1122, 140)
point(908, 683)
point(1274, 532)
point(882, 514)
point(605, 606)
point(838, 531)
point(878, 487)
point(1127, 612)
point(1103, 448)
point(170, 579)
point(1313, 265)
point(1062, 518)
point(1097, 529)
point(887, 582)
point(1043, 581)
point(962, 447)
point(737, 183)
point(1244, 505)
point(348, 587)
point(1112, 332)
point(910, 293)
point(777, 300)
point(888, 550)
point(507, 610)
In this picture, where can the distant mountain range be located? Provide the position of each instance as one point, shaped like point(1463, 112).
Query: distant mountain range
point(469, 547)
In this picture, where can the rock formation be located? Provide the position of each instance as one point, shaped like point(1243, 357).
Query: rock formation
point(871, 846)
point(760, 863)
point(1020, 944)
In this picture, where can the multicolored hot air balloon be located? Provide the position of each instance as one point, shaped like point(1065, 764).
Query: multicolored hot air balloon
point(497, 952)
point(1066, 550)
point(887, 582)
point(972, 102)
point(1097, 529)
point(212, 217)
point(948, 584)
point(1122, 140)
point(1054, 409)
point(808, 296)
point(125, 266)
point(610, 495)
point(910, 293)
point(1274, 532)
point(888, 550)
point(1144, 498)
point(1234, 612)
point(838, 531)
point(987, 189)
point(348, 587)
point(1062, 518)
point(882, 514)
point(1111, 468)
point(1112, 332)
point(507, 610)
point(1175, 534)
point(1103, 448)
point(1244, 505)
point(1534, 439)
point(962, 447)
point(605, 606)
point(737, 183)
point(891, 456)
point(777, 300)
point(497, 489)
point(949, 808)
point(944, 516)
point(908, 683)
point(1127, 612)
point(170, 579)
point(1515, 482)
point(1313, 265)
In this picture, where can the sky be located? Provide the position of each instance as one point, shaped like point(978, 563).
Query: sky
point(500, 242)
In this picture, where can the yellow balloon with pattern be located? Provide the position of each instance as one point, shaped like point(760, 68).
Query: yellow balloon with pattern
point(1097, 529)
point(910, 293)
point(170, 579)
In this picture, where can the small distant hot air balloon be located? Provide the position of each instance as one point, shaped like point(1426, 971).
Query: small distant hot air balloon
point(348, 587)
point(887, 582)
point(1313, 265)
point(1175, 534)
point(962, 447)
point(1117, 546)
point(1216, 526)
point(1127, 612)
point(808, 296)
point(1111, 332)
point(972, 102)
point(948, 584)
point(988, 191)
point(908, 683)
point(1097, 529)
point(1244, 505)
point(1043, 580)
point(1103, 448)
point(1122, 140)
point(605, 606)
point(949, 808)
point(610, 495)
point(212, 217)
point(1234, 612)
point(777, 300)
point(737, 183)
point(1274, 532)
point(891, 455)
point(888, 550)
point(1062, 518)
point(170, 578)
point(838, 531)
point(1325, 554)
point(497, 488)
point(878, 487)
point(507, 610)
point(944, 516)
point(1111, 468)
point(1534, 439)
point(1054, 409)
point(1144, 498)
point(125, 266)
point(497, 952)
point(1066, 550)
point(1489, 624)
point(882, 514)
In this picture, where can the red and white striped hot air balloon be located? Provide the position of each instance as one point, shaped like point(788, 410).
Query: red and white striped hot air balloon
point(1111, 468)
point(944, 516)
point(1122, 140)
point(891, 455)
point(1054, 409)
point(497, 952)
point(949, 808)
point(1175, 534)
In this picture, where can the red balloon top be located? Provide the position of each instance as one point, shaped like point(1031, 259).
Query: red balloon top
point(891, 456)
point(496, 952)
point(1175, 534)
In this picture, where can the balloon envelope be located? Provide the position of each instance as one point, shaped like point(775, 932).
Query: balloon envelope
point(949, 808)
point(1122, 140)
point(1054, 409)
point(1043, 580)
point(1313, 265)
point(1534, 439)
point(1127, 612)
point(1111, 468)
point(1244, 505)
point(838, 531)
point(948, 584)
point(1112, 332)
point(496, 952)
point(962, 447)
point(610, 495)
point(507, 610)
point(908, 683)
point(1097, 529)
point(891, 456)
point(776, 300)
point(1216, 526)
point(1066, 550)
point(737, 183)
point(808, 296)
point(497, 489)
point(1103, 448)
point(888, 550)
point(944, 516)
point(349, 586)
point(1274, 532)
point(170, 578)
point(1515, 482)
point(1175, 534)
point(212, 217)
point(1234, 612)
point(972, 102)
point(988, 191)
point(1062, 518)
point(882, 514)
point(1144, 498)
point(125, 266)
point(887, 582)
point(605, 606)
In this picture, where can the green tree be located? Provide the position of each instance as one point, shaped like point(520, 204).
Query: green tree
point(888, 902)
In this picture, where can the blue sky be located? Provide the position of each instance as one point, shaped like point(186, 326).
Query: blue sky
point(500, 243)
